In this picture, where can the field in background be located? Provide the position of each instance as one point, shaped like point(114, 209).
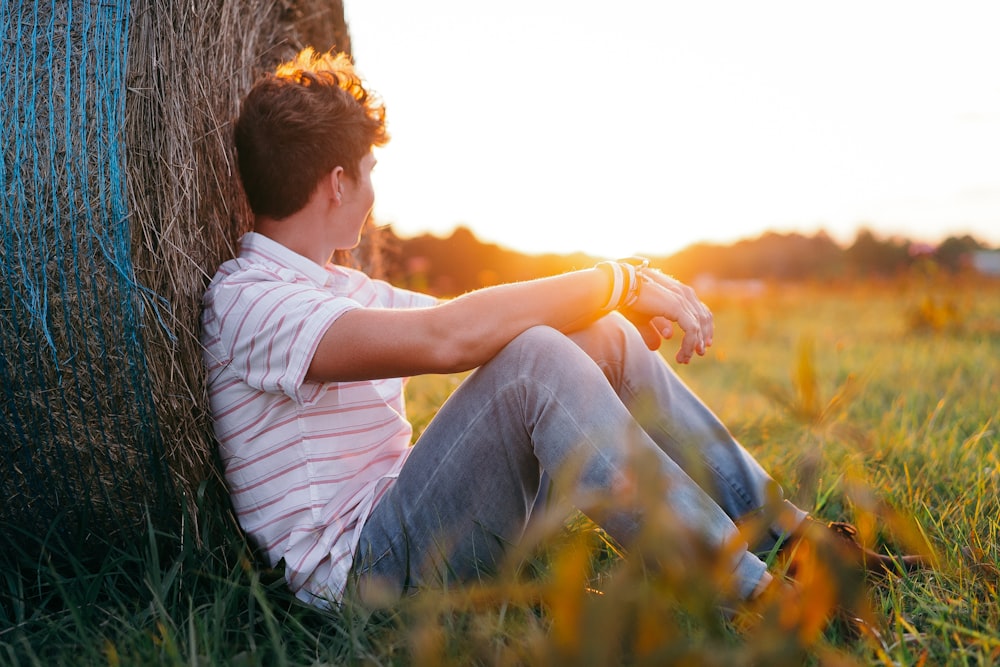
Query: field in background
point(876, 404)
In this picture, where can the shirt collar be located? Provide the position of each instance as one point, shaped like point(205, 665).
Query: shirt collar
point(254, 245)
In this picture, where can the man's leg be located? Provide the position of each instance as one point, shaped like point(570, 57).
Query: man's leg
point(684, 427)
point(469, 486)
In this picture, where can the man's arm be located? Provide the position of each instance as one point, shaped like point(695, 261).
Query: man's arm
point(465, 332)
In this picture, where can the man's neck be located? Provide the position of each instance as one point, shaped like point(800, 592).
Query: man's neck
point(300, 232)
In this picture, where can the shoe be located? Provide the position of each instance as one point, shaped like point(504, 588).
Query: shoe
point(872, 559)
point(844, 538)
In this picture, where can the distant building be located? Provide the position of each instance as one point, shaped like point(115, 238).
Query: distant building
point(986, 262)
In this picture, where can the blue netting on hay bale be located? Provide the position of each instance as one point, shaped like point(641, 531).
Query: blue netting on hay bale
point(118, 199)
point(79, 435)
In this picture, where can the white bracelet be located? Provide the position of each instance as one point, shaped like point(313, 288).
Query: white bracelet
point(617, 280)
point(626, 279)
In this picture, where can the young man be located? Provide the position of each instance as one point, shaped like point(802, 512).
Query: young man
point(305, 360)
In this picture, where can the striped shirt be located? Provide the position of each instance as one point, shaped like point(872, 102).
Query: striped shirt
point(305, 462)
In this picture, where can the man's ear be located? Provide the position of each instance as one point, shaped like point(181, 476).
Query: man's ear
point(336, 182)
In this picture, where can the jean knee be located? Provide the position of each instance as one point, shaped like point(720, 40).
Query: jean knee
point(623, 333)
point(611, 342)
point(538, 340)
point(542, 351)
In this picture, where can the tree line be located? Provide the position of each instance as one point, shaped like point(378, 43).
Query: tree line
point(461, 262)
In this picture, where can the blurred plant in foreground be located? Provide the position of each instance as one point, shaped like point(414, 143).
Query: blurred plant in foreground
point(571, 596)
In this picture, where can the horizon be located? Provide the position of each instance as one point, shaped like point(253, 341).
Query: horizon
point(565, 127)
point(920, 244)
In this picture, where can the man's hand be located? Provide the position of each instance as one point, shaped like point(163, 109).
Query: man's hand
point(663, 302)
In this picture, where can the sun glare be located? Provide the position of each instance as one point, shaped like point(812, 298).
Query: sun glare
point(647, 127)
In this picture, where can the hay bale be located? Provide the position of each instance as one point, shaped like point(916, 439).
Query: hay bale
point(119, 199)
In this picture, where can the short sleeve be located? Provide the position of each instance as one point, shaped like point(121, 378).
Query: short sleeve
point(269, 330)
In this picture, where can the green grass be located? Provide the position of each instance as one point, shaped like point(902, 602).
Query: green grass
point(865, 405)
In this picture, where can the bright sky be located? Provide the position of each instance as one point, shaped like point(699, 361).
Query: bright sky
point(646, 125)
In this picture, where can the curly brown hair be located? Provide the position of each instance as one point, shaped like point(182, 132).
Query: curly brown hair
point(296, 125)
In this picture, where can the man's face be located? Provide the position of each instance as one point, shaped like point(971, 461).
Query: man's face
point(357, 200)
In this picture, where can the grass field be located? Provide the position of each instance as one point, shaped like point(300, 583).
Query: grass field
point(876, 404)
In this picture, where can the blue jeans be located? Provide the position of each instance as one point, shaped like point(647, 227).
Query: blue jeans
point(581, 411)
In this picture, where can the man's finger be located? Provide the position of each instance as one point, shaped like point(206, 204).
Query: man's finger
point(693, 341)
point(663, 326)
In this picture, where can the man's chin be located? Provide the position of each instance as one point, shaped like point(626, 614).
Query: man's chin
point(352, 246)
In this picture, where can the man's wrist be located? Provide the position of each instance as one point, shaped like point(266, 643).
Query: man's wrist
point(626, 280)
point(614, 271)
